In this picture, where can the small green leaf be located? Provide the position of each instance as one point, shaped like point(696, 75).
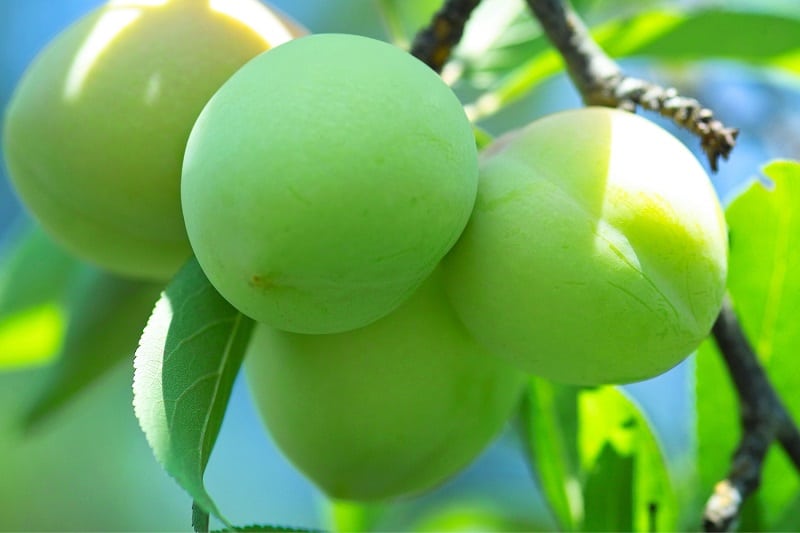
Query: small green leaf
point(764, 283)
point(598, 460)
point(106, 316)
point(188, 357)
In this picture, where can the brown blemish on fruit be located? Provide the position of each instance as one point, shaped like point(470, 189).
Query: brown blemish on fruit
point(262, 282)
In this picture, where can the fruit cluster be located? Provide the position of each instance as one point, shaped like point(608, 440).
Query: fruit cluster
point(331, 189)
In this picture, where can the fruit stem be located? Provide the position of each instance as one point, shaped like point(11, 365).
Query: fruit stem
point(764, 419)
point(600, 81)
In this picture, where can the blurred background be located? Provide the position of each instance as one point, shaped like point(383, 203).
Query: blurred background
point(90, 468)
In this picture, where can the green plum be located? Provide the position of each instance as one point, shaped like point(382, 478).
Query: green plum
point(597, 250)
point(96, 130)
point(390, 409)
point(326, 180)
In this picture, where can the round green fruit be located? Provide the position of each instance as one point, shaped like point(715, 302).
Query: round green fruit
point(390, 409)
point(326, 180)
point(96, 130)
point(597, 251)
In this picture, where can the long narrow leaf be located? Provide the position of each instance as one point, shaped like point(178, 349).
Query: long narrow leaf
point(106, 317)
point(35, 276)
point(549, 418)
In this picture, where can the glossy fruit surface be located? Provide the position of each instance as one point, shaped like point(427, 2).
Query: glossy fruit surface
point(96, 130)
point(326, 180)
point(387, 410)
point(597, 251)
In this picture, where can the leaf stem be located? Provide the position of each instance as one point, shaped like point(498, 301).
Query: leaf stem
point(200, 519)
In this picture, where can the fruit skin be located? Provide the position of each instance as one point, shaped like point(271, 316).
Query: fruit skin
point(387, 410)
point(95, 132)
point(597, 251)
point(326, 180)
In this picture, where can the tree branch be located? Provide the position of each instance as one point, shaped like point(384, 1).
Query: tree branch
point(763, 417)
point(601, 81)
point(433, 44)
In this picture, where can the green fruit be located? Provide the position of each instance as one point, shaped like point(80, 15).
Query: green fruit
point(386, 410)
point(96, 130)
point(326, 180)
point(597, 251)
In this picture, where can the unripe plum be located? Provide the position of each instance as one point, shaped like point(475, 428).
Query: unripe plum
point(390, 409)
point(96, 130)
point(325, 181)
point(597, 250)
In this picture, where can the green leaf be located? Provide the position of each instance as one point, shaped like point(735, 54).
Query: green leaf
point(598, 460)
point(723, 34)
point(788, 518)
point(188, 357)
point(717, 420)
point(34, 271)
point(761, 39)
point(610, 419)
point(549, 419)
point(106, 316)
point(609, 492)
point(482, 137)
point(35, 276)
point(764, 283)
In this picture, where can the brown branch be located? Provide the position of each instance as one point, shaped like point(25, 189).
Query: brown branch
point(601, 81)
point(763, 417)
point(433, 44)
